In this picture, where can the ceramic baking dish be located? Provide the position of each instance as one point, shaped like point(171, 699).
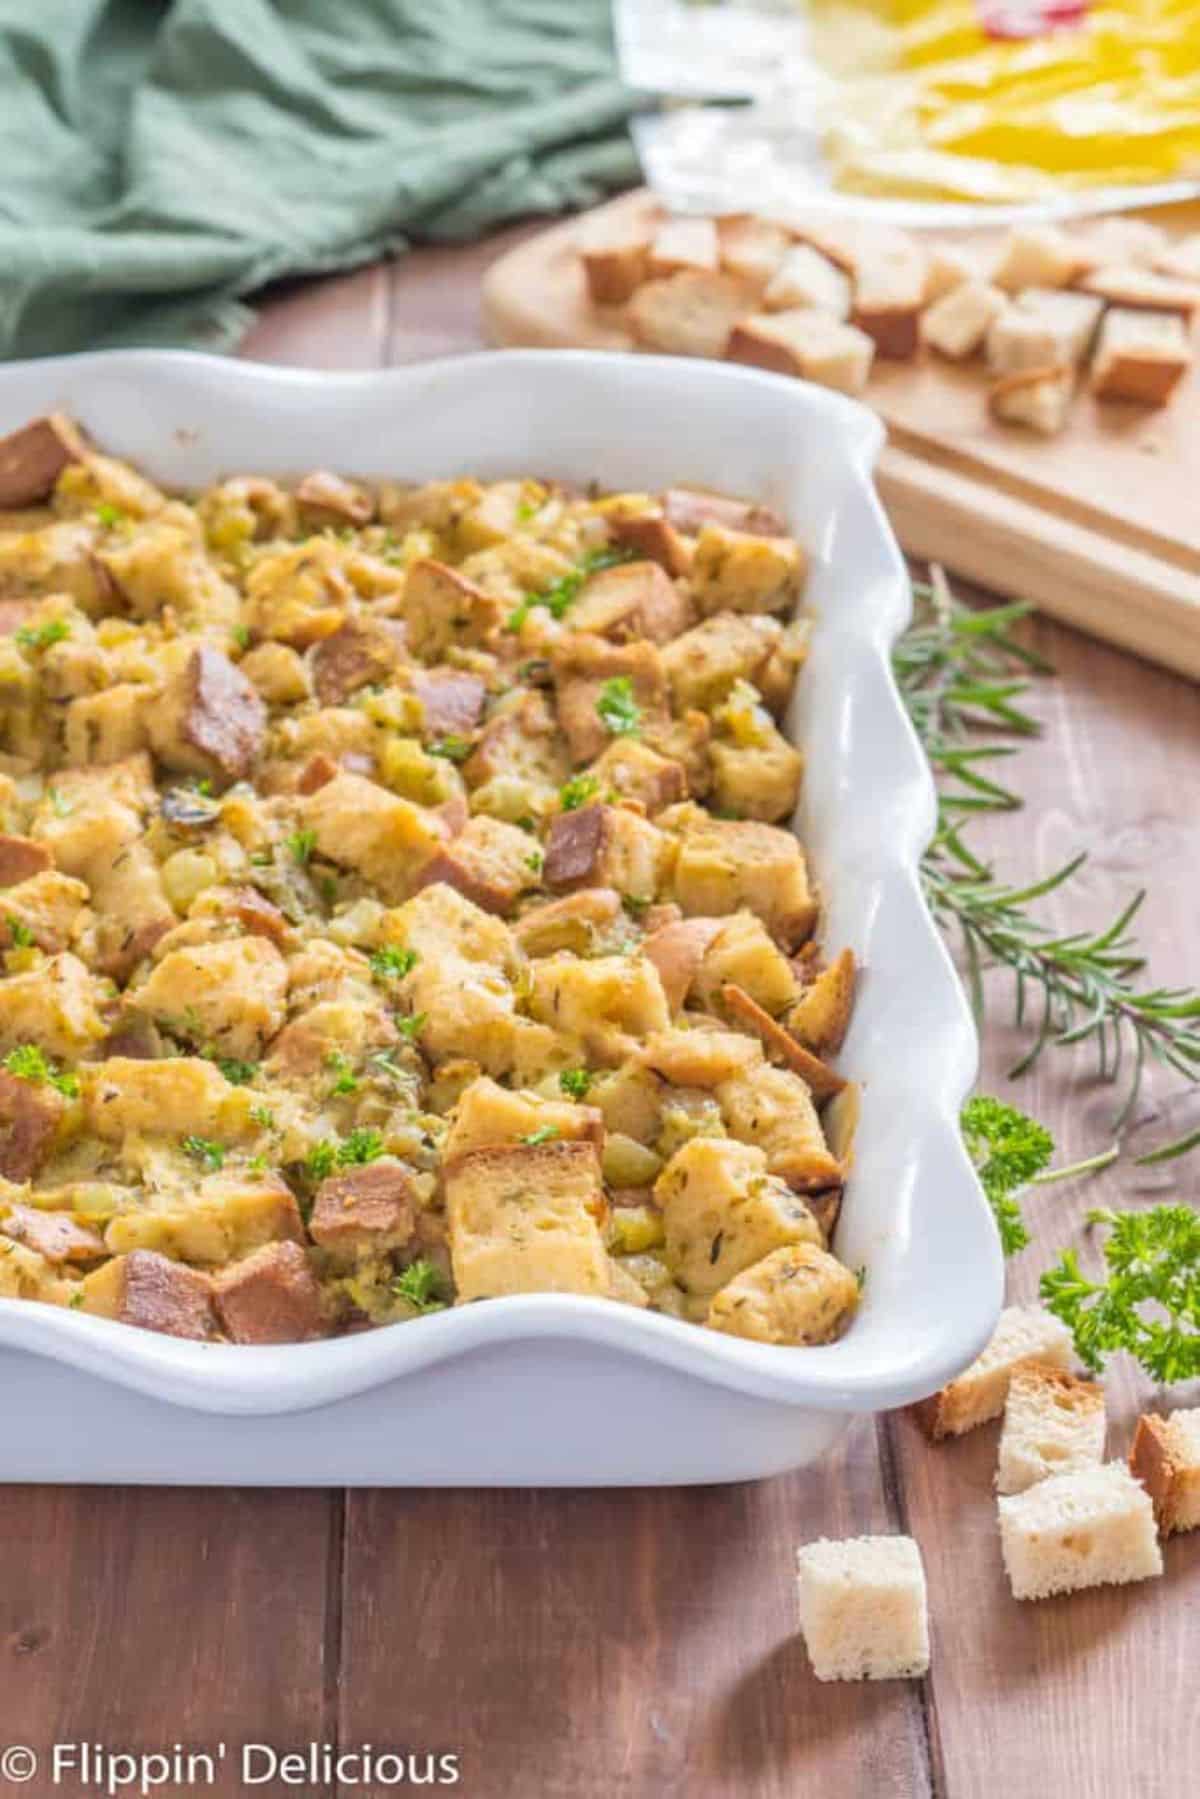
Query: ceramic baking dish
point(545, 1389)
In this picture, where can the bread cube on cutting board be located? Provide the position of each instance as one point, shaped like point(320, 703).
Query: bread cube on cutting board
point(806, 278)
point(1141, 356)
point(1166, 1459)
point(1054, 1423)
point(1024, 1335)
point(1039, 256)
point(808, 343)
point(864, 1608)
point(957, 324)
point(1038, 398)
point(1093, 1528)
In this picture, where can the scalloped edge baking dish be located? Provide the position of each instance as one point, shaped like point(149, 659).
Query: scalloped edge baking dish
point(543, 1388)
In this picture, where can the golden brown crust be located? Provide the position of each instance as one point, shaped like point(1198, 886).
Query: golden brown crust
point(270, 1297)
point(32, 459)
point(822, 1080)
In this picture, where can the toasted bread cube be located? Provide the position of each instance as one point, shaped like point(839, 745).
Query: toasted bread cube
point(360, 825)
point(757, 780)
point(741, 950)
point(634, 599)
point(1144, 288)
point(57, 1236)
point(489, 862)
point(172, 1097)
point(652, 535)
point(25, 1273)
point(604, 1003)
point(30, 1115)
point(232, 993)
point(1054, 1423)
point(371, 1208)
point(582, 667)
point(773, 1109)
point(795, 1297)
point(360, 652)
point(583, 922)
point(812, 345)
point(524, 1220)
point(1093, 1528)
point(1039, 256)
point(615, 262)
point(1072, 318)
point(1123, 239)
point(1141, 356)
point(957, 324)
point(488, 1115)
point(1024, 1337)
point(443, 610)
point(722, 1212)
point(735, 571)
point(32, 459)
point(821, 1015)
point(681, 244)
point(889, 292)
point(154, 1293)
point(727, 865)
point(689, 509)
point(703, 665)
point(1180, 258)
point(751, 248)
point(1023, 338)
point(55, 1007)
point(677, 951)
point(633, 771)
point(689, 314)
point(270, 1297)
point(1166, 1459)
point(1039, 398)
point(604, 846)
point(806, 278)
point(948, 267)
point(209, 720)
point(864, 1609)
point(227, 1215)
point(700, 1058)
point(48, 906)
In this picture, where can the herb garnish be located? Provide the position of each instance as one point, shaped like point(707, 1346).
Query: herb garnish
point(301, 845)
point(575, 1082)
point(1151, 1259)
point(561, 595)
point(617, 707)
point(577, 792)
point(204, 1150)
point(451, 749)
point(29, 1063)
point(40, 637)
point(422, 1286)
point(392, 964)
point(545, 1133)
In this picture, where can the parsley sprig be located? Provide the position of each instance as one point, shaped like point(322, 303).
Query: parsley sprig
point(421, 1284)
point(29, 1063)
point(617, 707)
point(1149, 1300)
point(1011, 1152)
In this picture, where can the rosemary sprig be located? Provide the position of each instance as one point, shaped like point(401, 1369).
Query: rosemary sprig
point(962, 674)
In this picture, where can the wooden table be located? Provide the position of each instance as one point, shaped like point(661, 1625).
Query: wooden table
point(643, 1644)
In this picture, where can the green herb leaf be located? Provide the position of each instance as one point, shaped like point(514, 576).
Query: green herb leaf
point(347, 1081)
point(205, 1151)
point(422, 1286)
point(392, 964)
point(237, 1073)
point(301, 844)
point(60, 805)
point(360, 1147)
point(577, 792)
point(545, 1133)
point(452, 749)
point(29, 1063)
point(575, 1082)
point(40, 637)
point(21, 934)
point(1008, 1149)
point(617, 707)
point(263, 1115)
point(561, 595)
point(110, 516)
point(1149, 1301)
point(534, 861)
point(411, 1028)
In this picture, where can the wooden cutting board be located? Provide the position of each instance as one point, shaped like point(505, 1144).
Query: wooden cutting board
point(1099, 527)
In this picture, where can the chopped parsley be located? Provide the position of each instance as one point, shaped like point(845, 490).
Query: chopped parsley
point(60, 805)
point(618, 709)
point(241, 637)
point(534, 861)
point(575, 1082)
point(20, 933)
point(411, 1028)
point(301, 844)
point(237, 1073)
point(354, 1151)
point(109, 516)
point(545, 1133)
point(205, 1151)
point(452, 749)
point(29, 1063)
point(635, 905)
point(40, 637)
point(347, 1080)
point(76, 1299)
point(392, 964)
point(422, 1286)
point(263, 1115)
point(577, 792)
point(561, 595)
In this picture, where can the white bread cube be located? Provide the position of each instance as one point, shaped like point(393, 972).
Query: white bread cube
point(1141, 356)
point(863, 1608)
point(1054, 1423)
point(1039, 256)
point(806, 278)
point(1181, 258)
point(1024, 1336)
point(1123, 284)
point(957, 324)
point(691, 314)
point(948, 268)
point(1071, 317)
point(889, 292)
point(1166, 1459)
point(1122, 239)
point(615, 261)
point(683, 243)
point(751, 248)
point(1094, 1528)
point(807, 343)
point(1038, 398)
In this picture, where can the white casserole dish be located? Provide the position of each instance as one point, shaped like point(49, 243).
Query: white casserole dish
point(546, 1389)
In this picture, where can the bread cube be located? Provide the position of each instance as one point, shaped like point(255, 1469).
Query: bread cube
point(270, 1297)
point(807, 343)
point(1141, 356)
point(57, 1237)
point(47, 905)
point(1054, 1423)
point(773, 1109)
point(173, 1096)
point(806, 278)
point(523, 1219)
point(154, 1293)
point(795, 1297)
point(686, 242)
point(1093, 1528)
point(489, 862)
point(821, 1015)
point(227, 1215)
point(231, 994)
point(634, 599)
point(751, 248)
point(360, 825)
point(742, 951)
point(1023, 338)
point(735, 571)
point(443, 610)
point(633, 771)
point(757, 780)
point(948, 267)
point(863, 1608)
point(889, 292)
point(601, 1004)
point(703, 665)
point(1039, 256)
point(688, 314)
point(55, 1006)
point(700, 1058)
point(1071, 318)
point(32, 459)
point(1166, 1459)
point(615, 262)
point(30, 1115)
point(488, 1115)
point(1024, 1337)
point(604, 846)
point(208, 720)
point(365, 1209)
point(1120, 238)
point(1127, 285)
point(722, 1212)
point(730, 865)
point(957, 324)
point(1038, 398)
point(583, 665)
point(1180, 258)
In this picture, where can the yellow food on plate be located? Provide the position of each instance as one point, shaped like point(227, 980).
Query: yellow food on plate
point(377, 866)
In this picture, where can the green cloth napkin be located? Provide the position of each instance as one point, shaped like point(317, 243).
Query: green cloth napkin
point(161, 161)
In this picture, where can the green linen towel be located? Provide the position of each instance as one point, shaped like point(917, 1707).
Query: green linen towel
point(162, 161)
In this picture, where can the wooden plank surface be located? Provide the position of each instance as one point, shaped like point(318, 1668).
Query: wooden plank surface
point(642, 1645)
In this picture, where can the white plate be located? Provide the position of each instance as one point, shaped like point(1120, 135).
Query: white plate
point(545, 1389)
